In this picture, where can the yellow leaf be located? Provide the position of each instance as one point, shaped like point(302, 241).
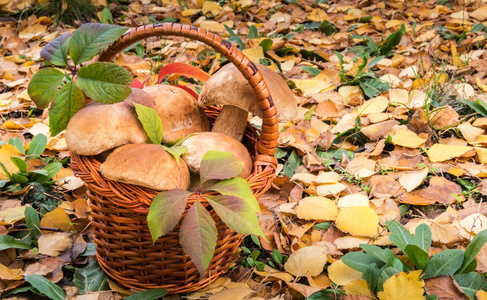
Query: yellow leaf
point(441, 152)
point(358, 220)
point(321, 281)
point(359, 287)
point(481, 295)
point(474, 223)
point(32, 31)
point(353, 200)
point(318, 15)
point(346, 123)
point(12, 215)
point(482, 86)
point(306, 178)
point(352, 95)
point(5, 153)
point(273, 274)
point(330, 189)
point(407, 138)
point(480, 13)
point(190, 12)
point(312, 86)
point(470, 132)
point(303, 289)
point(403, 287)
point(327, 177)
point(254, 54)
point(411, 180)
point(57, 218)
point(376, 131)
point(342, 274)
point(482, 154)
point(374, 105)
point(307, 261)
point(211, 7)
point(7, 273)
point(317, 208)
point(350, 242)
point(398, 96)
point(52, 244)
point(212, 26)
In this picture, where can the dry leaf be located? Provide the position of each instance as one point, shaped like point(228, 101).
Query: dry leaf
point(358, 220)
point(358, 287)
point(342, 274)
point(317, 208)
point(444, 287)
point(403, 287)
point(353, 200)
point(57, 218)
point(307, 261)
point(52, 244)
point(411, 180)
point(441, 152)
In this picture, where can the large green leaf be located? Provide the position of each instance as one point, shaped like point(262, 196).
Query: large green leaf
point(371, 275)
point(399, 235)
point(90, 38)
point(56, 51)
point(422, 237)
point(32, 221)
point(7, 242)
point(44, 85)
point(152, 294)
point(384, 275)
point(470, 283)
point(360, 261)
point(151, 122)
point(385, 255)
point(392, 41)
point(37, 145)
point(417, 255)
point(175, 151)
point(446, 262)
point(236, 213)
point(90, 278)
point(373, 86)
point(238, 187)
point(19, 163)
point(17, 143)
point(46, 287)
point(472, 250)
point(165, 211)
point(105, 82)
point(69, 100)
point(44, 175)
point(219, 165)
point(198, 235)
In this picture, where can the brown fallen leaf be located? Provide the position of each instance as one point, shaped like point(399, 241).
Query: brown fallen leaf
point(439, 190)
point(445, 287)
point(52, 244)
point(303, 289)
point(307, 261)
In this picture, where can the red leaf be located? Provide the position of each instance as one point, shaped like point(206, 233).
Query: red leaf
point(187, 89)
point(137, 84)
point(183, 69)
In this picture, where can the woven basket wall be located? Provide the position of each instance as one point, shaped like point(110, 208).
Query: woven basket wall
point(124, 246)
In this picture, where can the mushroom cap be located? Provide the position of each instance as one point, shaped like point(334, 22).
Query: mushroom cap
point(229, 87)
point(98, 127)
point(179, 112)
point(147, 165)
point(203, 142)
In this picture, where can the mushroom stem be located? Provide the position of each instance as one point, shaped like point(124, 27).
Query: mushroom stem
point(231, 121)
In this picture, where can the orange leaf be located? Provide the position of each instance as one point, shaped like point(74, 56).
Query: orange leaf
point(187, 89)
point(183, 69)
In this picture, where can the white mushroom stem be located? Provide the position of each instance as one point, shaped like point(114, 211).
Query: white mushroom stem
point(231, 121)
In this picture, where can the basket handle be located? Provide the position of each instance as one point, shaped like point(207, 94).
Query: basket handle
point(270, 128)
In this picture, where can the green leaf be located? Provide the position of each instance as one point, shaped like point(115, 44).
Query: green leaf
point(90, 278)
point(152, 294)
point(327, 28)
point(376, 252)
point(473, 249)
point(219, 165)
point(266, 45)
point(7, 242)
point(360, 261)
point(470, 283)
point(175, 151)
point(371, 275)
point(384, 275)
point(106, 16)
point(165, 211)
point(399, 235)
point(37, 145)
point(277, 256)
point(292, 163)
point(236, 213)
point(69, 100)
point(46, 287)
point(56, 51)
point(446, 262)
point(17, 143)
point(90, 38)
point(44, 85)
point(105, 82)
point(431, 297)
point(44, 175)
point(17, 178)
point(234, 37)
point(311, 70)
point(253, 33)
point(373, 86)
point(322, 225)
point(417, 255)
point(237, 187)
point(422, 237)
point(32, 221)
point(476, 106)
point(151, 122)
point(392, 41)
point(198, 235)
point(19, 163)
point(6, 171)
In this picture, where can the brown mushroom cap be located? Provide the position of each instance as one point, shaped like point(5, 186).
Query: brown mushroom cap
point(146, 165)
point(229, 87)
point(99, 127)
point(179, 112)
point(201, 143)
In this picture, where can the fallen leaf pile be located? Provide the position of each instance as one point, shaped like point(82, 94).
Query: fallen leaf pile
point(383, 134)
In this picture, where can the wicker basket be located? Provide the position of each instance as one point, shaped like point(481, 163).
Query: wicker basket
point(124, 247)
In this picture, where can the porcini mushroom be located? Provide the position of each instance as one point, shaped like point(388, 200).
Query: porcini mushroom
point(228, 87)
point(179, 112)
point(201, 143)
point(146, 165)
point(99, 127)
